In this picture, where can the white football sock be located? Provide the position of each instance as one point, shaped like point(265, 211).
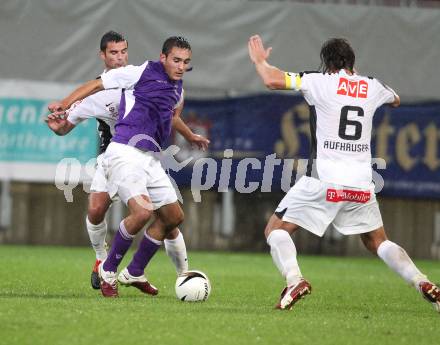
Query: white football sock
point(398, 260)
point(176, 250)
point(283, 253)
point(97, 235)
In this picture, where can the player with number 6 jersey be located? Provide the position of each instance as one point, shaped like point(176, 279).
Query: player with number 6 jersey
point(342, 108)
point(338, 188)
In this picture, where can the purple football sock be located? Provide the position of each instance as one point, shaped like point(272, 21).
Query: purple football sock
point(147, 248)
point(121, 242)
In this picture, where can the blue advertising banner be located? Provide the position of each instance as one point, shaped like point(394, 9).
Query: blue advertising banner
point(267, 136)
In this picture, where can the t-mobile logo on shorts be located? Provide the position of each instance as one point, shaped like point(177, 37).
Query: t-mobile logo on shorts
point(357, 89)
point(334, 195)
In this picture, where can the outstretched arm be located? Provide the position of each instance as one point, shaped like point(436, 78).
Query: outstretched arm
point(272, 77)
point(80, 93)
point(200, 141)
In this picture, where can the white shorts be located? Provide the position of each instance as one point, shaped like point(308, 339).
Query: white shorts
point(314, 205)
point(131, 172)
point(99, 182)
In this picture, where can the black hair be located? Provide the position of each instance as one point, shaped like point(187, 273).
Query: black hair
point(111, 36)
point(336, 54)
point(175, 41)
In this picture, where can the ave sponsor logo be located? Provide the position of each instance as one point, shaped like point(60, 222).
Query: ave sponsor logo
point(352, 88)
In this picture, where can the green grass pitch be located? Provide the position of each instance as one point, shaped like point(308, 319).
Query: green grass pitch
point(46, 298)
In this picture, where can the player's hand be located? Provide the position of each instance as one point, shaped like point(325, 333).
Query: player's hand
point(200, 141)
point(56, 121)
point(56, 116)
point(55, 107)
point(257, 52)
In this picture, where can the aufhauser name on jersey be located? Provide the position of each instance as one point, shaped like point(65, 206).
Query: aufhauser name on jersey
point(348, 147)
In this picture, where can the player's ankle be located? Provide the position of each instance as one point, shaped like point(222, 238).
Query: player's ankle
point(418, 279)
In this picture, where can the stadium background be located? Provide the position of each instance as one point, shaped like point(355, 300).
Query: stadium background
point(48, 47)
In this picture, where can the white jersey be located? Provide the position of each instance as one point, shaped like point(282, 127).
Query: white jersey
point(342, 109)
point(103, 106)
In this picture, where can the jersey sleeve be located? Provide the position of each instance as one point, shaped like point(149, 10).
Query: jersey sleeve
point(384, 93)
point(123, 77)
point(89, 107)
point(79, 111)
point(304, 82)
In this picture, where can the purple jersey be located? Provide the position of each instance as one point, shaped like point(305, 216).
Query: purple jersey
point(147, 104)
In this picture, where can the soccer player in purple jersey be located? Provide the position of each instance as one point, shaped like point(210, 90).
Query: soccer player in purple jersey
point(103, 106)
point(152, 94)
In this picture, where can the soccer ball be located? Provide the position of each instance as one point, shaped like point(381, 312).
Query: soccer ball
point(193, 286)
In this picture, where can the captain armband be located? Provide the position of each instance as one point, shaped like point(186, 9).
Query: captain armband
point(293, 81)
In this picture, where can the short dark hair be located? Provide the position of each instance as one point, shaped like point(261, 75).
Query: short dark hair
point(175, 41)
point(336, 54)
point(111, 36)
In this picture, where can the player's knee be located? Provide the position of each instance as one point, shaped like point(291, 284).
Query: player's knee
point(372, 240)
point(267, 230)
point(96, 214)
point(275, 222)
point(271, 225)
point(142, 216)
point(174, 220)
point(370, 247)
point(172, 235)
point(178, 219)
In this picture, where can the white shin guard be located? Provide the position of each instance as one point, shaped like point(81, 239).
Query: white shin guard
point(97, 235)
point(176, 250)
point(398, 260)
point(283, 253)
